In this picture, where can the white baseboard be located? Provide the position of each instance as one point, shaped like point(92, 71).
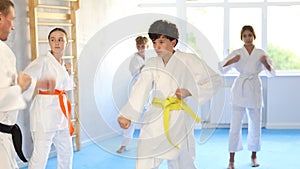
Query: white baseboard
point(283, 126)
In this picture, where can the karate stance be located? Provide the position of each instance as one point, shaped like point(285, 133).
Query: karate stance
point(179, 78)
point(246, 94)
point(50, 119)
point(11, 88)
point(136, 65)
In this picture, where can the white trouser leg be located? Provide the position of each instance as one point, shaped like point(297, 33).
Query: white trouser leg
point(7, 152)
point(148, 163)
point(235, 133)
point(254, 129)
point(63, 145)
point(41, 147)
point(128, 135)
point(184, 160)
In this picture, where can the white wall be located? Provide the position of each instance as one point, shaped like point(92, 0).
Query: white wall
point(283, 102)
point(92, 16)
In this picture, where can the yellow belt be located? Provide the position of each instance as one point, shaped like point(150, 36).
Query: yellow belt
point(173, 103)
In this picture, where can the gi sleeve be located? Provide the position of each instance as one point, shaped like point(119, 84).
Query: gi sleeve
point(272, 72)
point(205, 83)
point(34, 70)
point(228, 67)
point(138, 96)
point(11, 98)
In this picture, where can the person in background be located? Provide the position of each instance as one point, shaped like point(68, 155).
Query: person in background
point(12, 92)
point(246, 93)
point(136, 65)
point(50, 112)
point(167, 125)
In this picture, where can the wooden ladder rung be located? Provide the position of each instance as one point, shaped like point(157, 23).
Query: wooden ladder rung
point(53, 7)
point(54, 24)
point(52, 15)
point(68, 57)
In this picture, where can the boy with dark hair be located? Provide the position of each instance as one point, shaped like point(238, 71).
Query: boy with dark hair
point(181, 81)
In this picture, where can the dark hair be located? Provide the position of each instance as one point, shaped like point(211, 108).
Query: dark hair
point(249, 28)
point(57, 29)
point(163, 28)
point(4, 6)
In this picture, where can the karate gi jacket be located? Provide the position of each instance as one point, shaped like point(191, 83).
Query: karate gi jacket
point(246, 90)
point(45, 111)
point(183, 70)
point(11, 100)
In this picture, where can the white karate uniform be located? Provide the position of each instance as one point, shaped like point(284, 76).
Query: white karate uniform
point(11, 100)
point(246, 93)
point(135, 65)
point(182, 71)
point(48, 124)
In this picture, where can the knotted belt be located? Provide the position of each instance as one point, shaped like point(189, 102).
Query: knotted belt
point(61, 94)
point(245, 78)
point(16, 133)
point(172, 103)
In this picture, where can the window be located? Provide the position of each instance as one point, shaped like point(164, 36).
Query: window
point(243, 1)
point(205, 1)
point(283, 37)
point(240, 17)
point(220, 21)
point(200, 17)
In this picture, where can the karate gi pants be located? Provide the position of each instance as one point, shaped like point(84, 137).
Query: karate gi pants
point(128, 135)
point(42, 142)
point(184, 160)
point(254, 129)
point(7, 152)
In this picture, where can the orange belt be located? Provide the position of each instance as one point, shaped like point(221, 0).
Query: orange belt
point(61, 94)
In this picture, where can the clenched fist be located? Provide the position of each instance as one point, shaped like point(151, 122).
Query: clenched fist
point(68, 66)
point(182, 93)
point(24, 81)
point(48, 83)
point(124, 123)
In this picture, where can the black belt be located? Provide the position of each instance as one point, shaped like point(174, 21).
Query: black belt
point(16, 133)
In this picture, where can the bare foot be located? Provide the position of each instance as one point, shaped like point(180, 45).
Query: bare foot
point(231, 165)
point(254, 162)
point(122, 149)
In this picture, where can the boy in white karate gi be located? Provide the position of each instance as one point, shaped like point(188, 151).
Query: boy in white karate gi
point(136, 65)
point(167, 130)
